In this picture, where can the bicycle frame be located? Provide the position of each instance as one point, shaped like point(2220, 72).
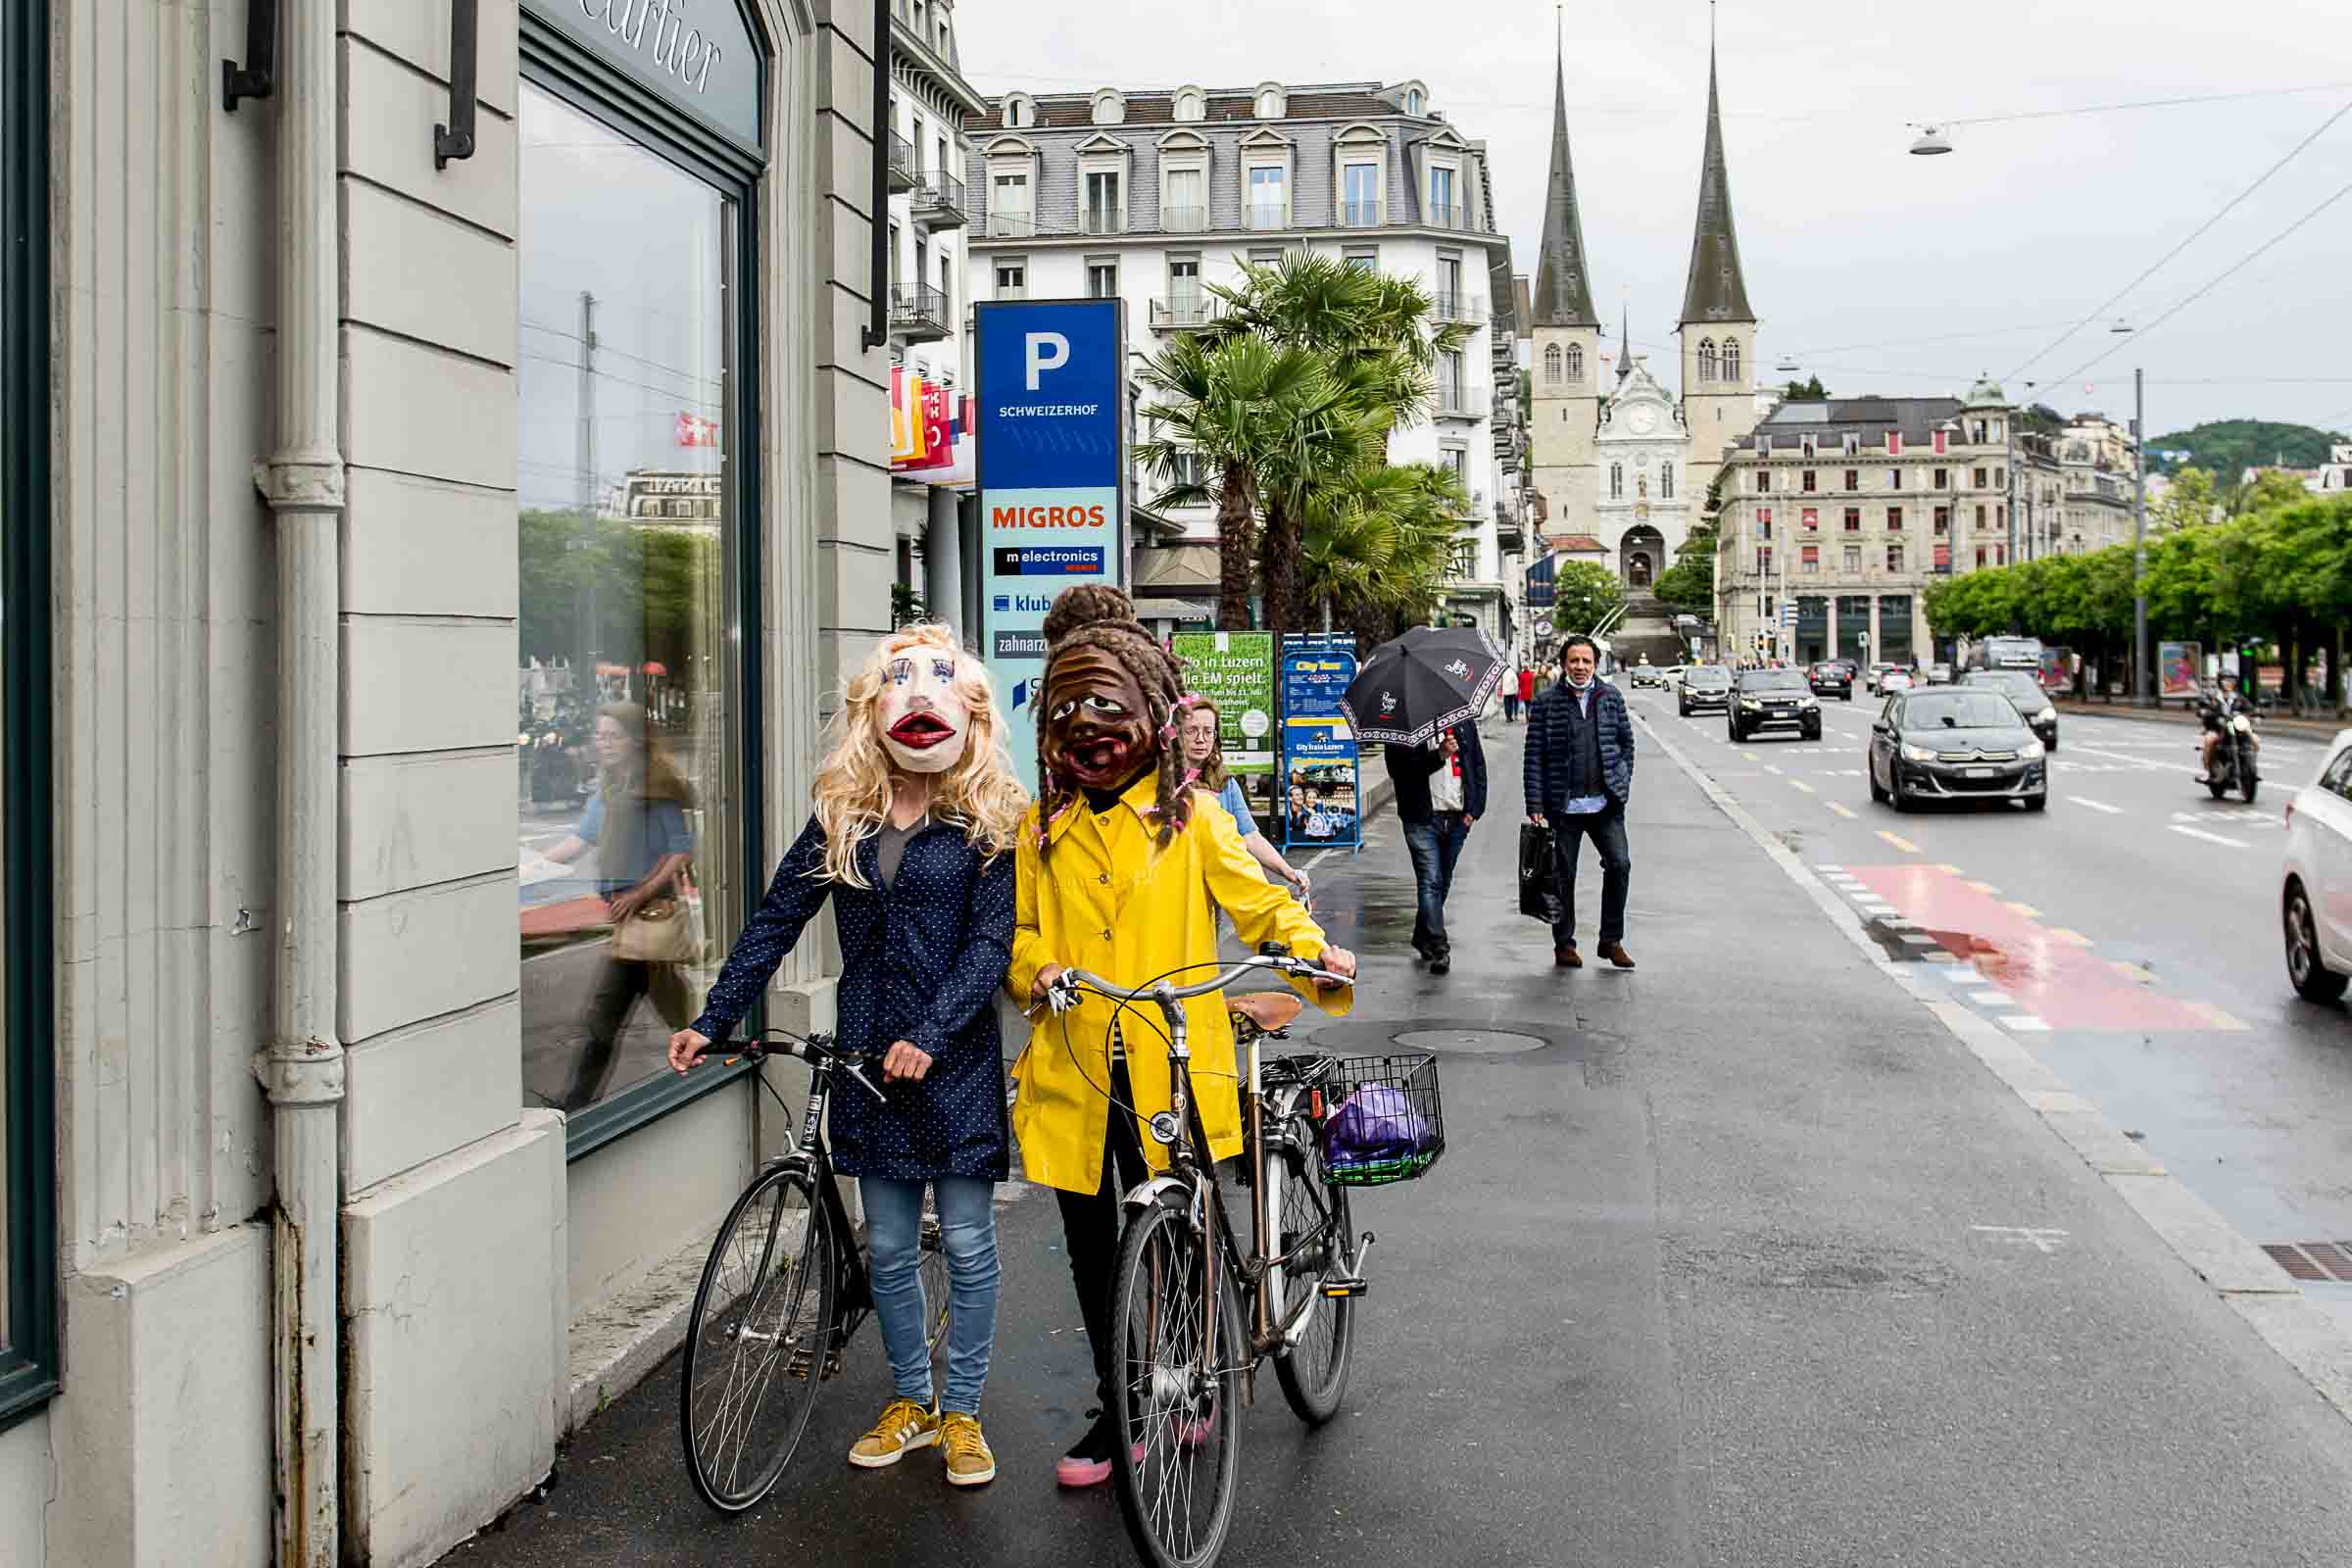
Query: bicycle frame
point(853, 1291)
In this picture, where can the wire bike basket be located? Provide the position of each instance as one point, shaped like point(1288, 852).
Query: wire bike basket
point(1383, 1120)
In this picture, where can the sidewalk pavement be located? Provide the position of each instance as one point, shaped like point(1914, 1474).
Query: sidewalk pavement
point(1738, 1258)
point(2315, 728)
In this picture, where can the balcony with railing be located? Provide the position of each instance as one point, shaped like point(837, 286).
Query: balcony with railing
point(1266, 215)
point(919, 312)
point(1184, 219)
point(1439, 217)
point(1183, 313)
point(1010, 225)
point(1461, 399)
point(1362, 213)
point(904, 176)
point(1103, 220)
point(939, 201)
point(1454, 307)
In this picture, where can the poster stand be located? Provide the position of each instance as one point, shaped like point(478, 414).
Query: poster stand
point(1320, 781)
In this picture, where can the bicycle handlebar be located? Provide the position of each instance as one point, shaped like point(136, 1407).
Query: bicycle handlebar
point(809, 1048)
point(1062, 993)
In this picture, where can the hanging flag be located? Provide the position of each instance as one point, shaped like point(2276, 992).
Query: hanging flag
point(693, 431)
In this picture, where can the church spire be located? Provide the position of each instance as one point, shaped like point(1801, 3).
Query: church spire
point(1717, 290)
point(1563, 291)
point(1625, 344)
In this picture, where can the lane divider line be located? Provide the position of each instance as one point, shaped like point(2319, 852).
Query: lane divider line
point(2076, 938)
point(1802, 785)
point(2217, 1018)
point(1844, 810)
point(2026, 909)
point(2210, 838)
point(1899, 842)
point(1985, 888)
point(2097, 806)
point(2240, 1273)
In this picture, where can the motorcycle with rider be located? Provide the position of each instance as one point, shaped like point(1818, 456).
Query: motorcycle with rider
point(2230, 743)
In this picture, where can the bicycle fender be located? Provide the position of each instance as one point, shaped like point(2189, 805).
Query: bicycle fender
point(1158, 1188)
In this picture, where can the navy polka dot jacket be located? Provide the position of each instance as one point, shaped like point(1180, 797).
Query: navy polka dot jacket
point(921, 964)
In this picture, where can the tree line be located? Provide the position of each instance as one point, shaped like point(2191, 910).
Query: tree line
point(2274, 580)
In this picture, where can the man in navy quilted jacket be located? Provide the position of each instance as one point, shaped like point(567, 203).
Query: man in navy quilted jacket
point(1579, 776)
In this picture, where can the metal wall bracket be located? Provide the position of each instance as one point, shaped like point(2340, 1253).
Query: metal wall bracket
point(876, 331)
point(456, 139)
point(258, 76)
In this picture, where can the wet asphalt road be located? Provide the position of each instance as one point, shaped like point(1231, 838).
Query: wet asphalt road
point(2131, 936)
point(1742, 1260)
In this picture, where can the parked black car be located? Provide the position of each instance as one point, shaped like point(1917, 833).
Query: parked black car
point(2023, 688)
point(1703, 686)
point(1832, 679)
point(1955, 743)
point(1773, 698)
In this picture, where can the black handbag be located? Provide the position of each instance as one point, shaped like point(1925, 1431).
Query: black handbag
point(1538, 874)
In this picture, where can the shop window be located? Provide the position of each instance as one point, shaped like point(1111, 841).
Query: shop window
point(28, 1349)
point(635, 778)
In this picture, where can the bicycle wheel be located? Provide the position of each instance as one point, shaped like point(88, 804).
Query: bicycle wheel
point(934, 1275)
point(1177, 1470)
point(1312, 1223)
point(756, 1344)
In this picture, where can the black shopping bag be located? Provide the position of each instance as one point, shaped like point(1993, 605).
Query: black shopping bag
point(1538, 874)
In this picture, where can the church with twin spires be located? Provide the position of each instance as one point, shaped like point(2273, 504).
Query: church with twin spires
point(1622, 462)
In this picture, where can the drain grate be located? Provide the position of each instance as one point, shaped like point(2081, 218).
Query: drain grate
point(2313, 1260)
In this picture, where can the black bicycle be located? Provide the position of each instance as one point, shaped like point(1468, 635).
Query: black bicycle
point(1185, 1360)
point(784, 1289)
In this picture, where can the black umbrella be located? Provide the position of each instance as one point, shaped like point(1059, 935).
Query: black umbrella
point(1431, 679)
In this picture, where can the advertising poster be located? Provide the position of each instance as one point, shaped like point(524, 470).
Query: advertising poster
point(1235, 669)
point(1322, 772)
point(2179, 667)
point(1052, 452)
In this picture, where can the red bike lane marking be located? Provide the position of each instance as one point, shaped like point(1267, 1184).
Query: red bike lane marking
point(2064, 982)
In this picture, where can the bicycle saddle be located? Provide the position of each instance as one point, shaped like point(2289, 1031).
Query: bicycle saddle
point(1271, 1010)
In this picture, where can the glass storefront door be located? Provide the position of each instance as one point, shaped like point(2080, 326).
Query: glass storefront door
point(630, 772)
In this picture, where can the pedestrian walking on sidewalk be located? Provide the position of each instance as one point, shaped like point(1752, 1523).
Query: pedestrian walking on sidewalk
point(1441, 794)
point(1579, 774)
point(912, 841)
point(1204, 753)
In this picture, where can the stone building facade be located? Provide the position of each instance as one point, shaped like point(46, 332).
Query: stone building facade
point(324, 410)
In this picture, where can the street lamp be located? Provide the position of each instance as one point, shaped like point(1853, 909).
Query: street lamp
point(1932, 141)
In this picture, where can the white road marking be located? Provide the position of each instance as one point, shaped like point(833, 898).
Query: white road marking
point(2097, 806)
point(1990, 998)
point(2043, 1239)
point(1768, 768)
point(2024, 1023)
point(2210, 838)
point(1824, 865)
point(1802, 785)
point(1841, 810)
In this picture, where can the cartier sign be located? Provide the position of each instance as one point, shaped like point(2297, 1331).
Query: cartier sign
point(697, 54)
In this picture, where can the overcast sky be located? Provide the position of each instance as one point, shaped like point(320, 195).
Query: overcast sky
point(1877, 270)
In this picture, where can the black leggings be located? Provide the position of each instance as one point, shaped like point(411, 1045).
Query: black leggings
point(1089, 1226)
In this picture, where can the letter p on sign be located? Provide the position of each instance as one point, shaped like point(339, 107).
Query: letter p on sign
point(1047, 351)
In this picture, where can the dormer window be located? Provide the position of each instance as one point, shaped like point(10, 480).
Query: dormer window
point(1191, 105)
point(1270, 102)
point(1020, 111)
point(1111, 109)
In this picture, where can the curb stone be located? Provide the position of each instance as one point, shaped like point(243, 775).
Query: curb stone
point(2239, 1272)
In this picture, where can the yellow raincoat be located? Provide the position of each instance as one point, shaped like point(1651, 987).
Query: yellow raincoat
point(1110, 902)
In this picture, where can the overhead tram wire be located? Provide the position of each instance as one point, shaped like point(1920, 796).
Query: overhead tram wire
point(2229, 272)
point(2227, 209)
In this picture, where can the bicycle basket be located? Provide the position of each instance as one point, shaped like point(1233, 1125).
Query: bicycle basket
point(1383, 1120)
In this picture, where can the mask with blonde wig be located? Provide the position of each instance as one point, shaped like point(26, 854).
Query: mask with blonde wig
point(922, 705)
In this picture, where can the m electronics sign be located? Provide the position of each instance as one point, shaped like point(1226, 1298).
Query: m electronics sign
point(1052, 395)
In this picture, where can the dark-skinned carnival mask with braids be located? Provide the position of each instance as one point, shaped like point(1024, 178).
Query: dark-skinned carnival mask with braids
point(1113, 698)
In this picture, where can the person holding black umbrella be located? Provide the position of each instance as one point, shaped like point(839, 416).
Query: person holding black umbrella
point(1579, 774)
point(1440, 791)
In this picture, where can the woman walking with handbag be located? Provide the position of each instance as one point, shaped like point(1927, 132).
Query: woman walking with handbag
point(636, 824)
point(912, 840)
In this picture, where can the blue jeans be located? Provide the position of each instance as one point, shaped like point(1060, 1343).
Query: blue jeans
point(967, 1227)
point(1435, 846)
point(1608, 828)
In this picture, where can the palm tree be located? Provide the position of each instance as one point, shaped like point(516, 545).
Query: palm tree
point(1229, 411)
point(1376, 546)
point(1381, 355)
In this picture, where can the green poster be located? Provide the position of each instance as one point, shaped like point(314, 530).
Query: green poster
point(1235, 669)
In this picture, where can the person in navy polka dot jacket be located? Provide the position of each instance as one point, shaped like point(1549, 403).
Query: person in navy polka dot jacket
point(912, 842)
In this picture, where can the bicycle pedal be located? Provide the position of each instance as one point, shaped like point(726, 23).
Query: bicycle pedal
point(1337, 1289)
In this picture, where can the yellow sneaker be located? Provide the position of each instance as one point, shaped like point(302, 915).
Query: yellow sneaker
point(970, 1463)
point(905, 1427)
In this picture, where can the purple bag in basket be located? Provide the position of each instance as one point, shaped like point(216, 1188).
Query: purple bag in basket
point(1374, 1123)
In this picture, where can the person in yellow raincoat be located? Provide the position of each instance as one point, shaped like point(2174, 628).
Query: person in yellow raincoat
point(1117, 867)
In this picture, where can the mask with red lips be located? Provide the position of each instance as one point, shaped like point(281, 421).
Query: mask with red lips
point(924, 721)
point(1097, 732)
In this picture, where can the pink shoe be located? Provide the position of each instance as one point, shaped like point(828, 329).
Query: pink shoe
point(1089, 1463)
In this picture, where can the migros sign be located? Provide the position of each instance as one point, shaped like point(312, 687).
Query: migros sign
point(1047, 517)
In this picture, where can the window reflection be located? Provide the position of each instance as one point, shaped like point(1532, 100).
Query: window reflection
point(626, 765)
